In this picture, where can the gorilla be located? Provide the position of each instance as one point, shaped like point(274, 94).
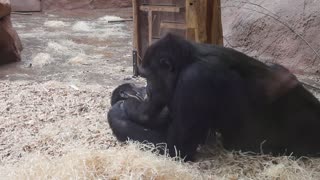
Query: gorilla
point(206, 88)
point(127, 90)
point(118, 118)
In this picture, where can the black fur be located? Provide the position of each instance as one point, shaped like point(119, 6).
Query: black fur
point(121, 124)
point(207, 87)
point(126, 91)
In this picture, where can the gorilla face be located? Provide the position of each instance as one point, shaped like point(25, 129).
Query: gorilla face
point(126, 91)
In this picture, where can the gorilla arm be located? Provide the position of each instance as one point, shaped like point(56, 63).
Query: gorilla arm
point(123, 128)
point(149, 113)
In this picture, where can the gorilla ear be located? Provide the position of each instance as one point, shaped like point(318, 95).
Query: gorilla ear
point(167, 63)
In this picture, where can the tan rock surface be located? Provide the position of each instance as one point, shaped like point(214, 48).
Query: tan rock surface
point(5, 8)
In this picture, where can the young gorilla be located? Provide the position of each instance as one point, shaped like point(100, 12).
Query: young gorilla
point(207, 87)
point(120, 122)
point(128, 90)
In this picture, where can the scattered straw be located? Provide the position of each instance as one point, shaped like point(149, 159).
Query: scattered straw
point(57, 130)
point(81, 26)
point(56, 47)
point(110, 18)
point(80, 59)
point(41, 59)
point(115, 163)
point(55, 24)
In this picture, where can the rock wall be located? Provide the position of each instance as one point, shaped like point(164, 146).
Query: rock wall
point(276, 31)
point(84, 4)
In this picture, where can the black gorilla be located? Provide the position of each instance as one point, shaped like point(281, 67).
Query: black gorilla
point(128, 90)
point(207, 87)
point(120, 123)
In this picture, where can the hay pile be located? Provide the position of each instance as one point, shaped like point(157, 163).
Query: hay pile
point(57, 130)
point(114, 163)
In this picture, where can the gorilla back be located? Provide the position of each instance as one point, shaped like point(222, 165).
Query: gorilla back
point(208, 87)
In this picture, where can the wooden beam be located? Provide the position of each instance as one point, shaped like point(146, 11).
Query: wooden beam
point(191, 20)
point(196, 18)
point(203, 19)
point(191, 34)
point(173, 25)
point(150, 23)
point(216, 24)
point(160, 8)
point(136, 33)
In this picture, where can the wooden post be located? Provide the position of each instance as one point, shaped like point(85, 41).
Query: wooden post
point(150, 24)
point(136, 33)
point(217, 31)
point(203, 19)
point(191, 20)
point(196, 18)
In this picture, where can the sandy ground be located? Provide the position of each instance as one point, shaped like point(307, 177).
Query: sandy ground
point(54, 103)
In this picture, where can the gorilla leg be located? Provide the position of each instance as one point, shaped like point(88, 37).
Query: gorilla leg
point(298, 115)
point(124, 129)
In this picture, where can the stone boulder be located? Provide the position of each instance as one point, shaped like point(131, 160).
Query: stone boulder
point(285, 32)
point(10, 44)
point(5, 8)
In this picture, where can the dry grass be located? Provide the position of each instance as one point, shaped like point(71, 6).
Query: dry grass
point(114, 163)
point(55, 130)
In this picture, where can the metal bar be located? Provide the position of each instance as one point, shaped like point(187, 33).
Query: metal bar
point(135, 63)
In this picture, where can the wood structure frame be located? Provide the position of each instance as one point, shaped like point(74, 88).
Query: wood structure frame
point(195, 20)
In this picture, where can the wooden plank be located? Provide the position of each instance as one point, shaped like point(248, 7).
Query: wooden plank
point(216, 24)
point(202, 20)
point(204, 17)
point(160, 8)
point(173, 25)
point(191, 34)
point(196, 18)
point(26, 5)
point(150, 27)
point(136, 33)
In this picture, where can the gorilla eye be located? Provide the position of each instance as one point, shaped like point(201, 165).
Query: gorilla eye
point(123, 94)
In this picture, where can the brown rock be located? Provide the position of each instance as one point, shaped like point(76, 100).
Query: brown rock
point(5, 8)
point(10, 44)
